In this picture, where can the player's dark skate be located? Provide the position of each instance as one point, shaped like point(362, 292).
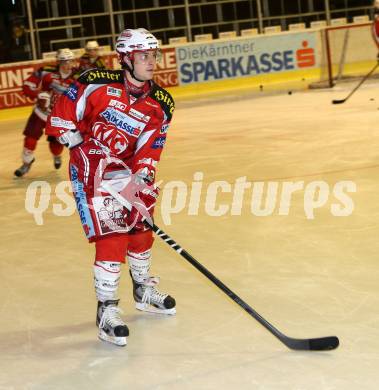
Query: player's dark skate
point(57, 162)
point(25, 167)
point(111, 327)
point(148, 298)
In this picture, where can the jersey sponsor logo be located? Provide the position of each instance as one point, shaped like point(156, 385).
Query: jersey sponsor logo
point(114, 92)
point(72, 92)
point(95, 151)
point(139, 115)
point(163, 97)
point(151, 104)
point(123, 122)
point(164, 129)
point(62, 123)
point(110, 214)
point(117, 104)
point(159, 143)
point(108, 134)
point(101, 75)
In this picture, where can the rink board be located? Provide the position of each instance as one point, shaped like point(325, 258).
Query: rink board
point(210, 67)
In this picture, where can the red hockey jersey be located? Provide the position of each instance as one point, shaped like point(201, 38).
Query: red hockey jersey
point(46, 79)
point(100, 106)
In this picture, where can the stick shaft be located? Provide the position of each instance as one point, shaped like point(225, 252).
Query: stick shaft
point(321, 344)
point(360, 83)
point(165, 237)
point(297, 344)
point(169, 241)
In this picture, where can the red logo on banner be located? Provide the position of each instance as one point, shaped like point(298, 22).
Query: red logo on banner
point(306, 56)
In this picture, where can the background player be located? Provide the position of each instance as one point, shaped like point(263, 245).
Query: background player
point(123, 117)
point(91, 59)
point(45, 85)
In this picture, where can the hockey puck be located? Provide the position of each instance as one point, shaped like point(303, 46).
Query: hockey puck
point(372, 99)
point(261, 87)
point(289, 92)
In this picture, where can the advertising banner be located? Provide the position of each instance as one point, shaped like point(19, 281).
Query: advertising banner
point(246, 57)
point(166, 74)
point(11, 80)
point(12, 77)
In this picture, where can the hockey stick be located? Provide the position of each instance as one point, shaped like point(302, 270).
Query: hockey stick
point(316, 344)
point(337, 101)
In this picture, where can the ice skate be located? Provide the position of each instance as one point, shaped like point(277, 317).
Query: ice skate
point(149, 298)
point(57, 162)
point(25, 167)
point(111, 327)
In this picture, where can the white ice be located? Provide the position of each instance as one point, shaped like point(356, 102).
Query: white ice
point(309, 277)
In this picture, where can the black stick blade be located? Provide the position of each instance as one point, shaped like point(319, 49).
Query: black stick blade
point(319, 344)
point(338, 101)
point(324, 343)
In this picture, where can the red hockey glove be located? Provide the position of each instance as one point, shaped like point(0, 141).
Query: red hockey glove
point(143, 206)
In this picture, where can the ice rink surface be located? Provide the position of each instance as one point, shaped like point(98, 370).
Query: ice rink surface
point(309, 277)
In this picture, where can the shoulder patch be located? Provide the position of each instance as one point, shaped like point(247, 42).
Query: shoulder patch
point(101, 76)
point(164, 99)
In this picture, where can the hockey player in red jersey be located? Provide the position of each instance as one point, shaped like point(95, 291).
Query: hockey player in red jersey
point(115, 122)
point(45, 85)
point(91, 59)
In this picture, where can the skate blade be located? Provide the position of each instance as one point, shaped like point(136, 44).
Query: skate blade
point(155, 310)
point(120, 341)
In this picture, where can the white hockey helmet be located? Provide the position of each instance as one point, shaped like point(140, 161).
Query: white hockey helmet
point(131, 41)
point(92, 45)
point(136, 40)
point(65, 55)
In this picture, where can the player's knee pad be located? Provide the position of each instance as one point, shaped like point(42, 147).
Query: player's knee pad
point(106, 279)
point(112, 248)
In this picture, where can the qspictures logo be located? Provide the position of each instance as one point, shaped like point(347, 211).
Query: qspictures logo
point(217, 198)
